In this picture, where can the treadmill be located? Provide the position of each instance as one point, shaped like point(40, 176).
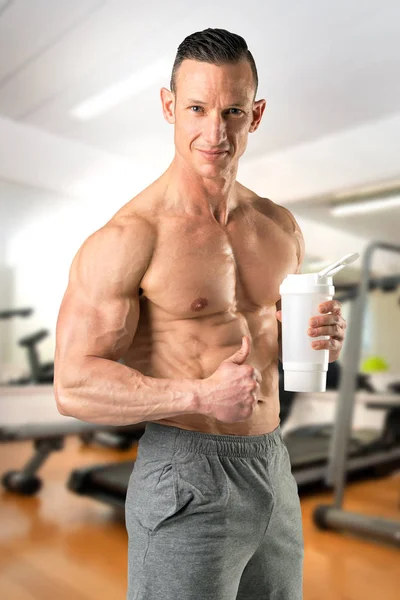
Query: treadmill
point(335, 516)
point(369, 452)
point(29, 412)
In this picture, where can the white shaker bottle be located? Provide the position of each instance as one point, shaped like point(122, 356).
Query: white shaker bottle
point(305, 367)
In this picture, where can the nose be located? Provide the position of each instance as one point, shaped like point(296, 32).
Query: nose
point(214, 132)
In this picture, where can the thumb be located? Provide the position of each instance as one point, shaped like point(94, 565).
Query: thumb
point(240, 356)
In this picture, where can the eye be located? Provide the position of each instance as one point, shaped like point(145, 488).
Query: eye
point(234, 111)
point(196, 109)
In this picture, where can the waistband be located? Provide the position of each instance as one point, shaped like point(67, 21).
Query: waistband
point(169, 439)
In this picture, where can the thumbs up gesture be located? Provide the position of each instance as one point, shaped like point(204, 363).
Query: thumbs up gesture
point(232, 392)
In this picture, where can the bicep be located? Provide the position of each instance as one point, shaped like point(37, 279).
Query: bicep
point(86, 330)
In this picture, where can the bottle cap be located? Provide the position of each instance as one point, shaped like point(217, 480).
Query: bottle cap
point(308, 283)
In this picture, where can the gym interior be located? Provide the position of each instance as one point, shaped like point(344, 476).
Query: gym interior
point(82, 132)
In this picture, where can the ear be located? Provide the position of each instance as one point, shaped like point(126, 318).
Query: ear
point(168, 105)
point(258, 111)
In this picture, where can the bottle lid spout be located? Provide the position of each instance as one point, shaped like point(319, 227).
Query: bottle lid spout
point(338, 265)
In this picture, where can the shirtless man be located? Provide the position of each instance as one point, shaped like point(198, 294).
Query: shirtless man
point(182, 285)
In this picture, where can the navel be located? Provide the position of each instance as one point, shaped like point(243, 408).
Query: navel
point(199, 304)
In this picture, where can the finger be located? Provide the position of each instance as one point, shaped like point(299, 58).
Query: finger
point(331, 344)
point(330, 319)
point(333, 306)
point(332, 330)
point(240, 355)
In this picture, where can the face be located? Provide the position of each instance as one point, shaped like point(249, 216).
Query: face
point(213, 111)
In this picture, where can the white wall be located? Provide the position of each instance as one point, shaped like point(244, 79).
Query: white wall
point(41, 253)
point(344, 159)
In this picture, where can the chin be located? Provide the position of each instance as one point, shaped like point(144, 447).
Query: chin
point(211, 170)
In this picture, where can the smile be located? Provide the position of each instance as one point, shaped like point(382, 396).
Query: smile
point(213, 155)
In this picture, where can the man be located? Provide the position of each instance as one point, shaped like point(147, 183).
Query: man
point(183, 285)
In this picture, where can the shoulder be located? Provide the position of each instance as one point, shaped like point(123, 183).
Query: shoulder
point(287, 220)
point(284, 219)
point(118, 252)
point(142, 209)
point(123, 232)
point(279, 214)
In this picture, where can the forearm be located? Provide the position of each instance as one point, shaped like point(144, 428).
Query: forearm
point(113, 394)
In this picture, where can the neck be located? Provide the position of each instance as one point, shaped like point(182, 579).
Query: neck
point(198, 195)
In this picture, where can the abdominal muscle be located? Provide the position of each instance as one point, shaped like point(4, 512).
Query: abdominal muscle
point(264, 419)
point(194, 348)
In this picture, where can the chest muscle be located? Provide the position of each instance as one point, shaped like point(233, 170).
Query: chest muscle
point(203, 269)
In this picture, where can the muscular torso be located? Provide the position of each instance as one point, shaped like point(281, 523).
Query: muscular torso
point(208, 285)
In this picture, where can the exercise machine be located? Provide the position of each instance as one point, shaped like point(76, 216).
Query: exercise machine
point(334, 516)
point(30, 413)
point(38, 372)
point(370, 451)
point(17, 312)
point(43, 373)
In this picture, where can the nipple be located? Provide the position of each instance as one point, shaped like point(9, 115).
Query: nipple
point(199, 304)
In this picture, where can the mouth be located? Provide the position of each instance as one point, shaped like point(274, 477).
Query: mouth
point(213, 154)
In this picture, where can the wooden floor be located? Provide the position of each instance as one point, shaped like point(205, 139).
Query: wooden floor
point(59, 545)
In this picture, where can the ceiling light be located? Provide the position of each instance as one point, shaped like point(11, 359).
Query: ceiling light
point(120, 91)
point(365, 206)
point(372, 189)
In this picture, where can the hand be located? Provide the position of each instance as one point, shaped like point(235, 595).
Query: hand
point(331, 324)
point(232, 392)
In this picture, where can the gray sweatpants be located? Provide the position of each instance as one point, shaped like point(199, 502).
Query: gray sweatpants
point(213, 517)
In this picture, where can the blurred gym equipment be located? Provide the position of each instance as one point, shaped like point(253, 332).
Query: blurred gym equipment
point(30, 413)
point(334, 516)
point(17, 312)
point(43, 373)
point(38, 372)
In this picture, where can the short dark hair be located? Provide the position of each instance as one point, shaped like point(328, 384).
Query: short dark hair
point(215, 46)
